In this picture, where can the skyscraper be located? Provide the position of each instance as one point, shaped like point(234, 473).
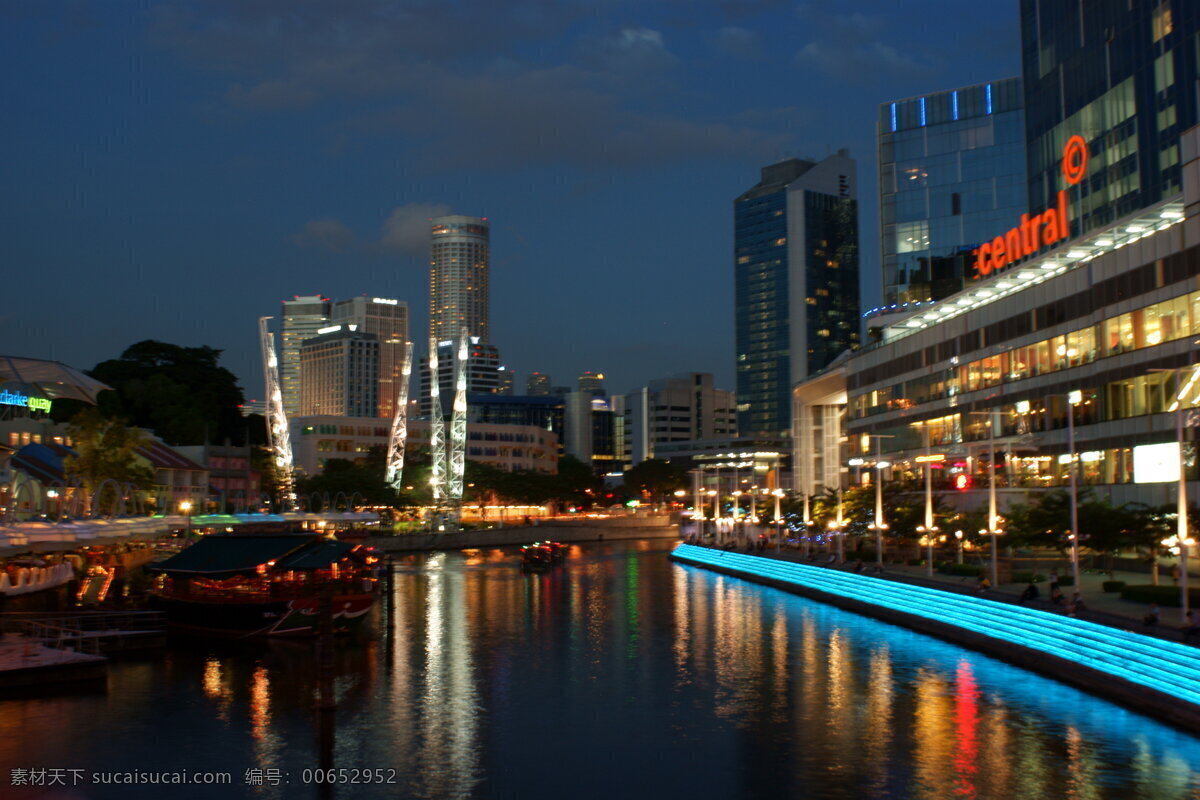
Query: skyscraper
point(795, 285)
point(1122, 76)
point(537, 384)
point(951, 174)
point(339, 373)
point(592, 383)
point(458, 278)
point(387, 319)
point(302, 318)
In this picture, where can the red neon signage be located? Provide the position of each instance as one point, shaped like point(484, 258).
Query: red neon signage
point(1039, 230)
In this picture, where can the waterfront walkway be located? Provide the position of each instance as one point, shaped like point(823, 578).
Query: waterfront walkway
point(1104, 608)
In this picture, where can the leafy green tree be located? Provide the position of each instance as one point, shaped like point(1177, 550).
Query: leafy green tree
point(106, 449)
point(365, 476)
point(655, 479)
point(181, 393)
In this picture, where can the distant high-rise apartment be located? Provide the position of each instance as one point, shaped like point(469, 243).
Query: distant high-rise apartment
point(387, 319)
point(951, 174)
point(537, 384)
point(505, 380)
point(682, 408)
point(795, 285)
point(339, 373)
point(302, 318)
point(592, 383)
point(1122, 76)
point(458, 278)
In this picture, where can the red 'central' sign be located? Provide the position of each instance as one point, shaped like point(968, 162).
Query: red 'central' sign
point(1038, 230)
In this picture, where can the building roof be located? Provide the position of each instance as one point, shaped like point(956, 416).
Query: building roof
point(43, 462)
point(161, 456)
point(228, 554)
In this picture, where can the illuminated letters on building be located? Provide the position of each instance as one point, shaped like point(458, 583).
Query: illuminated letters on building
point(1038, 230)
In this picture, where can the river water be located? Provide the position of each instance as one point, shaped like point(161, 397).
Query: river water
point(617, 675)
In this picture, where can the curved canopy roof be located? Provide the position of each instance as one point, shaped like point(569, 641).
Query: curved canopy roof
point(53, 378)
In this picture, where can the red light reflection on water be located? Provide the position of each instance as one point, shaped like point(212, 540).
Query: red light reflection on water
point(966, 720)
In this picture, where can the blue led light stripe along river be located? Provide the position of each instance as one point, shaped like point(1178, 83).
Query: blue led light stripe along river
point(617, 675)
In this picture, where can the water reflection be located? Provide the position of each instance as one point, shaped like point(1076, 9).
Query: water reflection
point(615, 675)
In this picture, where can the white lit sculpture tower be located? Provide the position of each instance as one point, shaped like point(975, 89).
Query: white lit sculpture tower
point(277, 426)
point(399, 438)
point(448, 456)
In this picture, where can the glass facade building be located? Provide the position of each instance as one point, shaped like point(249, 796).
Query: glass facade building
point(1123, 76)
point(951, 174)
point(795, 284)
point(302, 317)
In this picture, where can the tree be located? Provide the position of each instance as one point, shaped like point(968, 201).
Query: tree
point(106, 449)
point(181, 393)
point(365, 476)
point(654, 478)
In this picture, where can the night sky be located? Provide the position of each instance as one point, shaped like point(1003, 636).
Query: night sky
point(174, 170)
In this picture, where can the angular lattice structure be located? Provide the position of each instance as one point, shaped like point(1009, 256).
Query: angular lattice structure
point(278, 436)
point(437, 431)
point(458, 425)
point(399, 437)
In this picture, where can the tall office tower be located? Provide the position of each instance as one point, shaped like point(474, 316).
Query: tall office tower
point(592, 383)
point(537, 384)
point(483, 371)
point(339, 373)
point(951, 174)
point(1122, 76)
point(302, 318)
point(387, 319)
point(458, 278)
point(795, 285)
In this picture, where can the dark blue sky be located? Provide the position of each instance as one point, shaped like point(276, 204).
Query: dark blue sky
point(173, 170)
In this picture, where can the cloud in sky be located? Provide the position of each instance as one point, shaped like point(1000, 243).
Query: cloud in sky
point(326, 234)
point(406, 229)
point(854, 48)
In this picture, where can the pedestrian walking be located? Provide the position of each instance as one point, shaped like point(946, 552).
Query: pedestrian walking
point(984, 584)
point(1056, 595)
point(1077, 606)
point(1053, 580)
point(1030, 593)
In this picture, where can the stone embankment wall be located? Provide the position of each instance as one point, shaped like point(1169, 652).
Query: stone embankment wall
point(581, 530)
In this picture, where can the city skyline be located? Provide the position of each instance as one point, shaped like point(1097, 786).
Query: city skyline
point(338, 209)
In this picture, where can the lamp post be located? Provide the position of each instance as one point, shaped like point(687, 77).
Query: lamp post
point(1182, 538)
point(929, 528)
point(959, 536)
point(778, 521)
point(878, 525)
point(716, 513)
point(186, 507)
point(994, 519)
point(1074, 397)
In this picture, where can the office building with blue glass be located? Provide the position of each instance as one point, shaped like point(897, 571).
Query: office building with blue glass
point(795, 285)
point(1122, 76)
point(951, 174)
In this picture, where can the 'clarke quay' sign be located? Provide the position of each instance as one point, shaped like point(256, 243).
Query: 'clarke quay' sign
point(11, 398)
point(1039, 230)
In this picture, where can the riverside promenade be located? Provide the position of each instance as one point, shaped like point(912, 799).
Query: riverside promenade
point(1151, 674)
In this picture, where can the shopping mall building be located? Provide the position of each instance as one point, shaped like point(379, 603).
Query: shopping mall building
point(1105, 323)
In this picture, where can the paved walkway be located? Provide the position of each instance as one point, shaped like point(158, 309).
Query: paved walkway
point(1105, 608)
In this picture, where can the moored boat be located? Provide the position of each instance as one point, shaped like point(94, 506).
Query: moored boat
point(266, 585)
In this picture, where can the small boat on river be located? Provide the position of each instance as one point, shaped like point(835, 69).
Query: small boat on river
point(266, 585)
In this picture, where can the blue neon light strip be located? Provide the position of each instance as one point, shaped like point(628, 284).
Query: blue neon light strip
point(954, 104)
point(1167, 667)
point(922, 112)
point(988, 92)
point(893, 116)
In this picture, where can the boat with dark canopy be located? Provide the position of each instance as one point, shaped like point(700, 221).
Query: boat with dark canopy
point(264, 585)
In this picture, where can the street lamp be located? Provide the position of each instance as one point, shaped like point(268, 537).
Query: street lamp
point(1073, 398)
point(959, 535)
point(778, 493)
point(878, 524)
point(835, 531)
point(929, 531)
point(186, 507)
point(1181, 537)
point(994, 519)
